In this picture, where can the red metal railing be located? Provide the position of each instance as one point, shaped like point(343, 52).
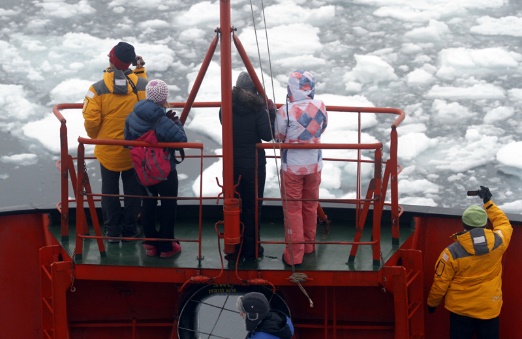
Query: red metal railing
point(377, 189)
point(84, 191)
point(375, 192)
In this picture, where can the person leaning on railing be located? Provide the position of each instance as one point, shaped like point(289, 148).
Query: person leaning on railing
point(468, 273)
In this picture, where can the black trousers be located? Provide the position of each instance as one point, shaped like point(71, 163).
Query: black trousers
point(166, 213)
point(462, 327)
point(246, 190)
point(116, 219)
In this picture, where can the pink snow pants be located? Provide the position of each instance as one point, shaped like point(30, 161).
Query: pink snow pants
point(300, 216)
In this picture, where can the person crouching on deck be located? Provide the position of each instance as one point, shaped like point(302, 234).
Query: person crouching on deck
point(149, 114)
point(468, 273)
point(301, 121)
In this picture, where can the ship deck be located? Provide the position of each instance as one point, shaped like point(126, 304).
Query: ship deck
point(327, 257)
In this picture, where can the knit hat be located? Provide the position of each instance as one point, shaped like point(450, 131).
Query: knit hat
point(256, 308)
point(245, 82)
point(122, 55)
point(157, 91)
point(475, 216)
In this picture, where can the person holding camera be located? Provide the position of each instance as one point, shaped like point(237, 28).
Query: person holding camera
point(468, 273)
point(105, 107)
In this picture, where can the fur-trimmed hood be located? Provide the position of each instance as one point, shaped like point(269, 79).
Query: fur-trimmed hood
point(251, 102)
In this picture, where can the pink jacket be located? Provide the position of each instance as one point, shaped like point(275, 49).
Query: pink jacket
point(305, 122)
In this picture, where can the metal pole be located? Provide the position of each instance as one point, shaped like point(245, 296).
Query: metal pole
point(231, 203)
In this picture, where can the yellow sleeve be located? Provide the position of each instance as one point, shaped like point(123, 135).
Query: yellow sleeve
point(140, 72)
point(92, 113)
point(444, 272)
point(501, 224)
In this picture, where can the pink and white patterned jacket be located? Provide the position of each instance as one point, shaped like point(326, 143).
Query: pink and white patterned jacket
point(305, 122)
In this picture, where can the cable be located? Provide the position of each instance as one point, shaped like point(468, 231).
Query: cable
point(295, 277)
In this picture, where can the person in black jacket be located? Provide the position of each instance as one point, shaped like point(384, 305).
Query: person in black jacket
point(252, 122)
point(260, 321)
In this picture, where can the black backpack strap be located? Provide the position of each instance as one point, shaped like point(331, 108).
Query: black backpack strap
point(134, 88)
point(181, 155)
point(180, 150)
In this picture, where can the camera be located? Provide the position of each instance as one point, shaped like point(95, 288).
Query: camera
point(473, 193)
point(135, 61)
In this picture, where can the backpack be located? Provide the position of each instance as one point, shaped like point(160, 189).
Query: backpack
point(152, 164)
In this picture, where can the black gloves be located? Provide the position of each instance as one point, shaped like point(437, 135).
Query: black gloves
point(485, 194)
point(271, 105)
point(431, 309)
point(172, 116)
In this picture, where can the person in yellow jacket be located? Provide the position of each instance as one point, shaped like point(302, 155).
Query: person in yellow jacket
point(107, 104)
point(468, 273)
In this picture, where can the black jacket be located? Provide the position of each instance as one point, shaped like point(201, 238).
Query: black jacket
point(250, 125)
point(275, 325)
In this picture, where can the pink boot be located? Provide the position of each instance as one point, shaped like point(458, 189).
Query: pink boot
point(150, 250)
point(176, 248)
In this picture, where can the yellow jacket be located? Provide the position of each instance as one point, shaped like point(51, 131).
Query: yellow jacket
point(105, 108)
point(469, 271)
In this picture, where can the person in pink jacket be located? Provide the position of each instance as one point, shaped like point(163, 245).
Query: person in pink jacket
point(301, 121)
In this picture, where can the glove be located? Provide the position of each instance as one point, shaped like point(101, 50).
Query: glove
point(485, 194)
point(271, 105)
point(172, 116)
point(431, 309)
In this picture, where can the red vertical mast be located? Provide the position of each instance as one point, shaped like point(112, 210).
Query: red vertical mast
point(231, 203)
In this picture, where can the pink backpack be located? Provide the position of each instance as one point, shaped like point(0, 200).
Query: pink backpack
point(152, 164)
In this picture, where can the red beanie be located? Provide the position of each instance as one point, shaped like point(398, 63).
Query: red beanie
point(122, 55)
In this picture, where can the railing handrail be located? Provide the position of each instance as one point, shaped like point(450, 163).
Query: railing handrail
point(377, 200)
point(282, 145)
point(114, 142)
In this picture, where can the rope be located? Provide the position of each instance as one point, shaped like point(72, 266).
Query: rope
point(295, 277)
point(298, 278)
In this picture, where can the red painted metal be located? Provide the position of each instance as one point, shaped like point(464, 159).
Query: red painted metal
point(248, 65)
point(199, 79)
point(230, 209)
point(21, 237)
point(55, 281)
point(341, 299)
point(385, 303)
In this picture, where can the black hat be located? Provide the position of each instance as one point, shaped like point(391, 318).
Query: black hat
point(124, 52)
point(122, 55)
point(256, 307)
